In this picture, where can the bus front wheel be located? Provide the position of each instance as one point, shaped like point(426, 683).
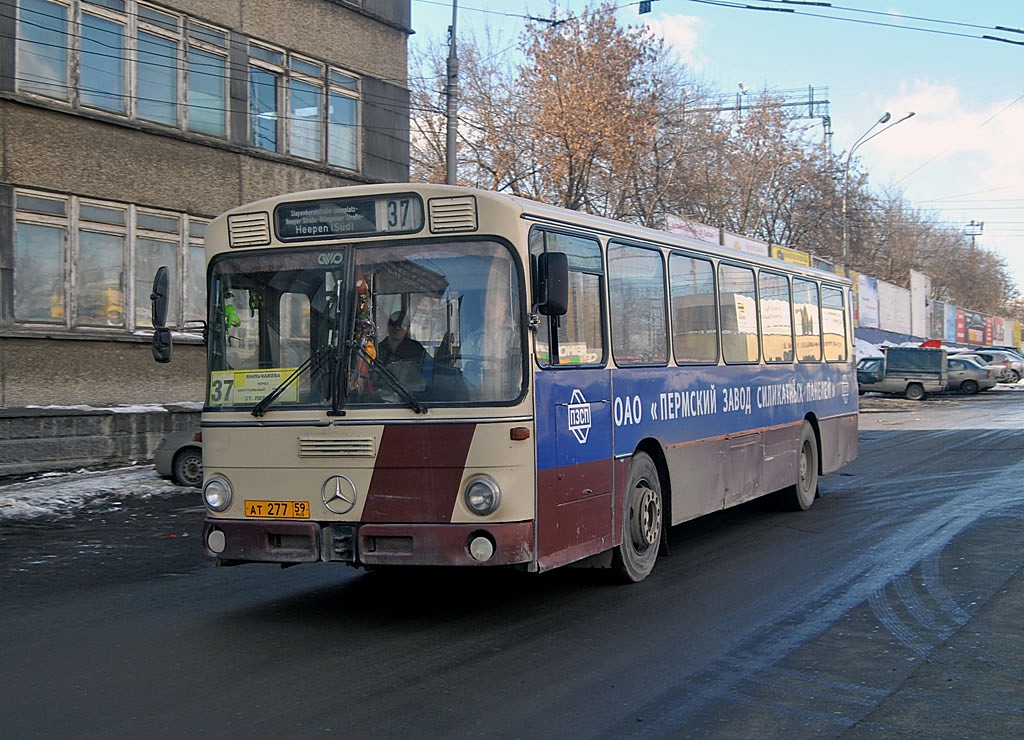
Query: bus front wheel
point(642, 521)
point(800, 495)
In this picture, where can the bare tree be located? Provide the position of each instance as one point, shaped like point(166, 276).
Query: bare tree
point(589, 115)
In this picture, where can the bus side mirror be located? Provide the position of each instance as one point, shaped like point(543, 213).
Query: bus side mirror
point(161, 334)
point(162, 344)
point(552, 283)
point(159, 298)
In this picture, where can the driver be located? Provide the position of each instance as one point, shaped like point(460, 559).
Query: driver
point(399, 346)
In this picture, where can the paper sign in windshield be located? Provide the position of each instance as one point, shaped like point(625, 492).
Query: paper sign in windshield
point(244, 387)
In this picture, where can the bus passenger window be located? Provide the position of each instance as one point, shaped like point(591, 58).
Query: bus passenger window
point(636, 284)
point(776, 317)
point(737, 299)
point(833, 324)
point(694, 320)
point(808, 324)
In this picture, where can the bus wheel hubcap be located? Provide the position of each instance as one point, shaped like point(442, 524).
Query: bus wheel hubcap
point(646, 516)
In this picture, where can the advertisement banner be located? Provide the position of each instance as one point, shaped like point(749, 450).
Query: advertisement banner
point(867, 302)
point(952, 315)
point(920, 304)
point(693, 229)
point(791, 255)
point(975, 328)
point(744, 244)
point(893, 308)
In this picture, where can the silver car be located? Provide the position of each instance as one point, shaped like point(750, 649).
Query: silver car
point(180, 457)
point(969, 376)
point(1002, 370)
point(998, 357)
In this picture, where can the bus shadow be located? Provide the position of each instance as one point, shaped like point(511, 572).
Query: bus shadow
point(395, 598)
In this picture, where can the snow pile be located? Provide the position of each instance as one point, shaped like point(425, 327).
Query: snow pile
point(862, 349)
point(141, 408)
point(65, 494)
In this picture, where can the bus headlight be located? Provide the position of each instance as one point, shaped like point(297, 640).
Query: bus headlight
point(482, 495)
point(217, 493)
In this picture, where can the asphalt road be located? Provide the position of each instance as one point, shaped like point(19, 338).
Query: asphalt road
point(890, 609)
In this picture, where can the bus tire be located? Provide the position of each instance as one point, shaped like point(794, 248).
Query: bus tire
point(642, 521)
point(915, 392)
point(800, 496)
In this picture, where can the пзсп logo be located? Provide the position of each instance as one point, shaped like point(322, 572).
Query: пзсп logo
point(579, 416)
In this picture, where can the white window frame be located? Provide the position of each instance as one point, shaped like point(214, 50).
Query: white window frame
point(280, 96)
point(356, 94)
point(127, 64)
point(75, 251)
point(290, 121)
point(142, 25)
point(194, 42)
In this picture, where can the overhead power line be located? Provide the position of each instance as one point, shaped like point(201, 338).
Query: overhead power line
point(793, 7)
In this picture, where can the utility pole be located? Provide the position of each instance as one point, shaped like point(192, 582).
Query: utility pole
point(453, 97)
point(974, 230)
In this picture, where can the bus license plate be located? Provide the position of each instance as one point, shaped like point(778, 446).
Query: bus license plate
point(277, 509)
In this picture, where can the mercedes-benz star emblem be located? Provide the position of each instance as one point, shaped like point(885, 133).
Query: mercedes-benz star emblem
point(338, 494)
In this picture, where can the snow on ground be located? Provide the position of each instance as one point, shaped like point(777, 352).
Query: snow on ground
point(61, 495)
point(67, 493)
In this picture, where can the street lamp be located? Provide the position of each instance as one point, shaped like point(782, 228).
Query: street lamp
point(864, 138)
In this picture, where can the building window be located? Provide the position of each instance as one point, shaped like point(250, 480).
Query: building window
point(263, 118)
point(147, 64)
point(305, 112)
point(158, 78)
point(102, 82)
point(43, 48)
point(39, 272)
point(207, 76)
point(266, 70)
point(100, 270)
point(90, 264)
point(343, 121)
point(195, 273)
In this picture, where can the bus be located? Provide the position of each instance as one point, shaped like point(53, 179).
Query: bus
point(429, 375)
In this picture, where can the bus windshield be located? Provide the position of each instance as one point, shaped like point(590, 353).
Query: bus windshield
point(404, 324)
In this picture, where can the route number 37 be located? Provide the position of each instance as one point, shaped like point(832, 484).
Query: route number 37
point(220, 390)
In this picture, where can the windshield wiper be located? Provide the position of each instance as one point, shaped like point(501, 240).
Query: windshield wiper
point(314, 360)
point(392, 380)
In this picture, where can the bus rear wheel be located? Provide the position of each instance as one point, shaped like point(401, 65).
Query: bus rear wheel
point(642, 521)
point(800, 496)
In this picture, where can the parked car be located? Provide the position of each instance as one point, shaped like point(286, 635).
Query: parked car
point(999, 356)
point(1002, 370)
point(967, 375)
point(179, 456)
point(913, 372)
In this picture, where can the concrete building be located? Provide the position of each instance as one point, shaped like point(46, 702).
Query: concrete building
point(127, 125)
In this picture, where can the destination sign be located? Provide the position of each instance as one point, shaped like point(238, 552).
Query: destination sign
point(313, 220)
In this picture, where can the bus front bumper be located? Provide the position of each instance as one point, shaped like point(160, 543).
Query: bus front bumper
point(234, 541)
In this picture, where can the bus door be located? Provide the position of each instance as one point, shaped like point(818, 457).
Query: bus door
point(574, 466)
point(575, 510)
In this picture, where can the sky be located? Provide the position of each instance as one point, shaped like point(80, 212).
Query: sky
point(960, 157)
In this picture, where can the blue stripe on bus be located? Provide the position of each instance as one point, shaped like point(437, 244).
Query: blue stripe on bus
point(578, 409)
